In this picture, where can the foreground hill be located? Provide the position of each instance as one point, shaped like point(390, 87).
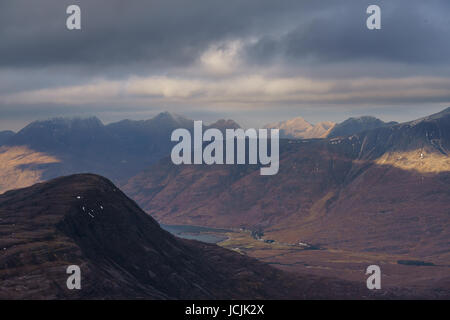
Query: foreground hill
point(123, 253)
point(382, 190)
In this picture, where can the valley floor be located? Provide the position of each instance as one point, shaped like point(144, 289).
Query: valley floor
point(343, 264)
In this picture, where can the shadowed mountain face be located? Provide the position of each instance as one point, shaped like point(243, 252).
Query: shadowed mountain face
point(382, 190)
point(117, 151)
point(5, 136)
point(86, 145)
point(85, 220)
point(356, 125)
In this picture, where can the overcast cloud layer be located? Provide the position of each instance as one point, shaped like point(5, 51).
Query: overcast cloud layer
point(252, 60)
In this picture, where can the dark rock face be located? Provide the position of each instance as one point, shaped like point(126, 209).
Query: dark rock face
point(356, 125)
point(123, 253)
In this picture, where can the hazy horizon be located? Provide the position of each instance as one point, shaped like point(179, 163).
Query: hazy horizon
point(209, 120)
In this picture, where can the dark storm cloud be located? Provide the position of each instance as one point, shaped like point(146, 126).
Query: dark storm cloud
point(114, 32)
point(171, 33)
point(413, 32)
point(229, 58)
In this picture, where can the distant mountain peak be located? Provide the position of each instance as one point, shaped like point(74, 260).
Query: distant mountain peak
point(355, 125)
point(363, 118)
point(5, 136)
point(169, 116)
point(299, 128)
point(437, 115)
point(297, 122)
point(445, 111)
point(67, 122)
point(225, 124)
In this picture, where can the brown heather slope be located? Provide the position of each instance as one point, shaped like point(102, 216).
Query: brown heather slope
point(123, 253)
point(21, 166)
point(384, 190)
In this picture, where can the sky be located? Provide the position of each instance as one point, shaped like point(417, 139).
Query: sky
point(254, 61)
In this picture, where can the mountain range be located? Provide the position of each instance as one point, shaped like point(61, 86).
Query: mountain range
point(47, 149)
point(383, 190)
point(61, 146)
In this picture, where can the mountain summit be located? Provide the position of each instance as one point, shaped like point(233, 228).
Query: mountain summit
point(355, 125)
point(299, 128)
